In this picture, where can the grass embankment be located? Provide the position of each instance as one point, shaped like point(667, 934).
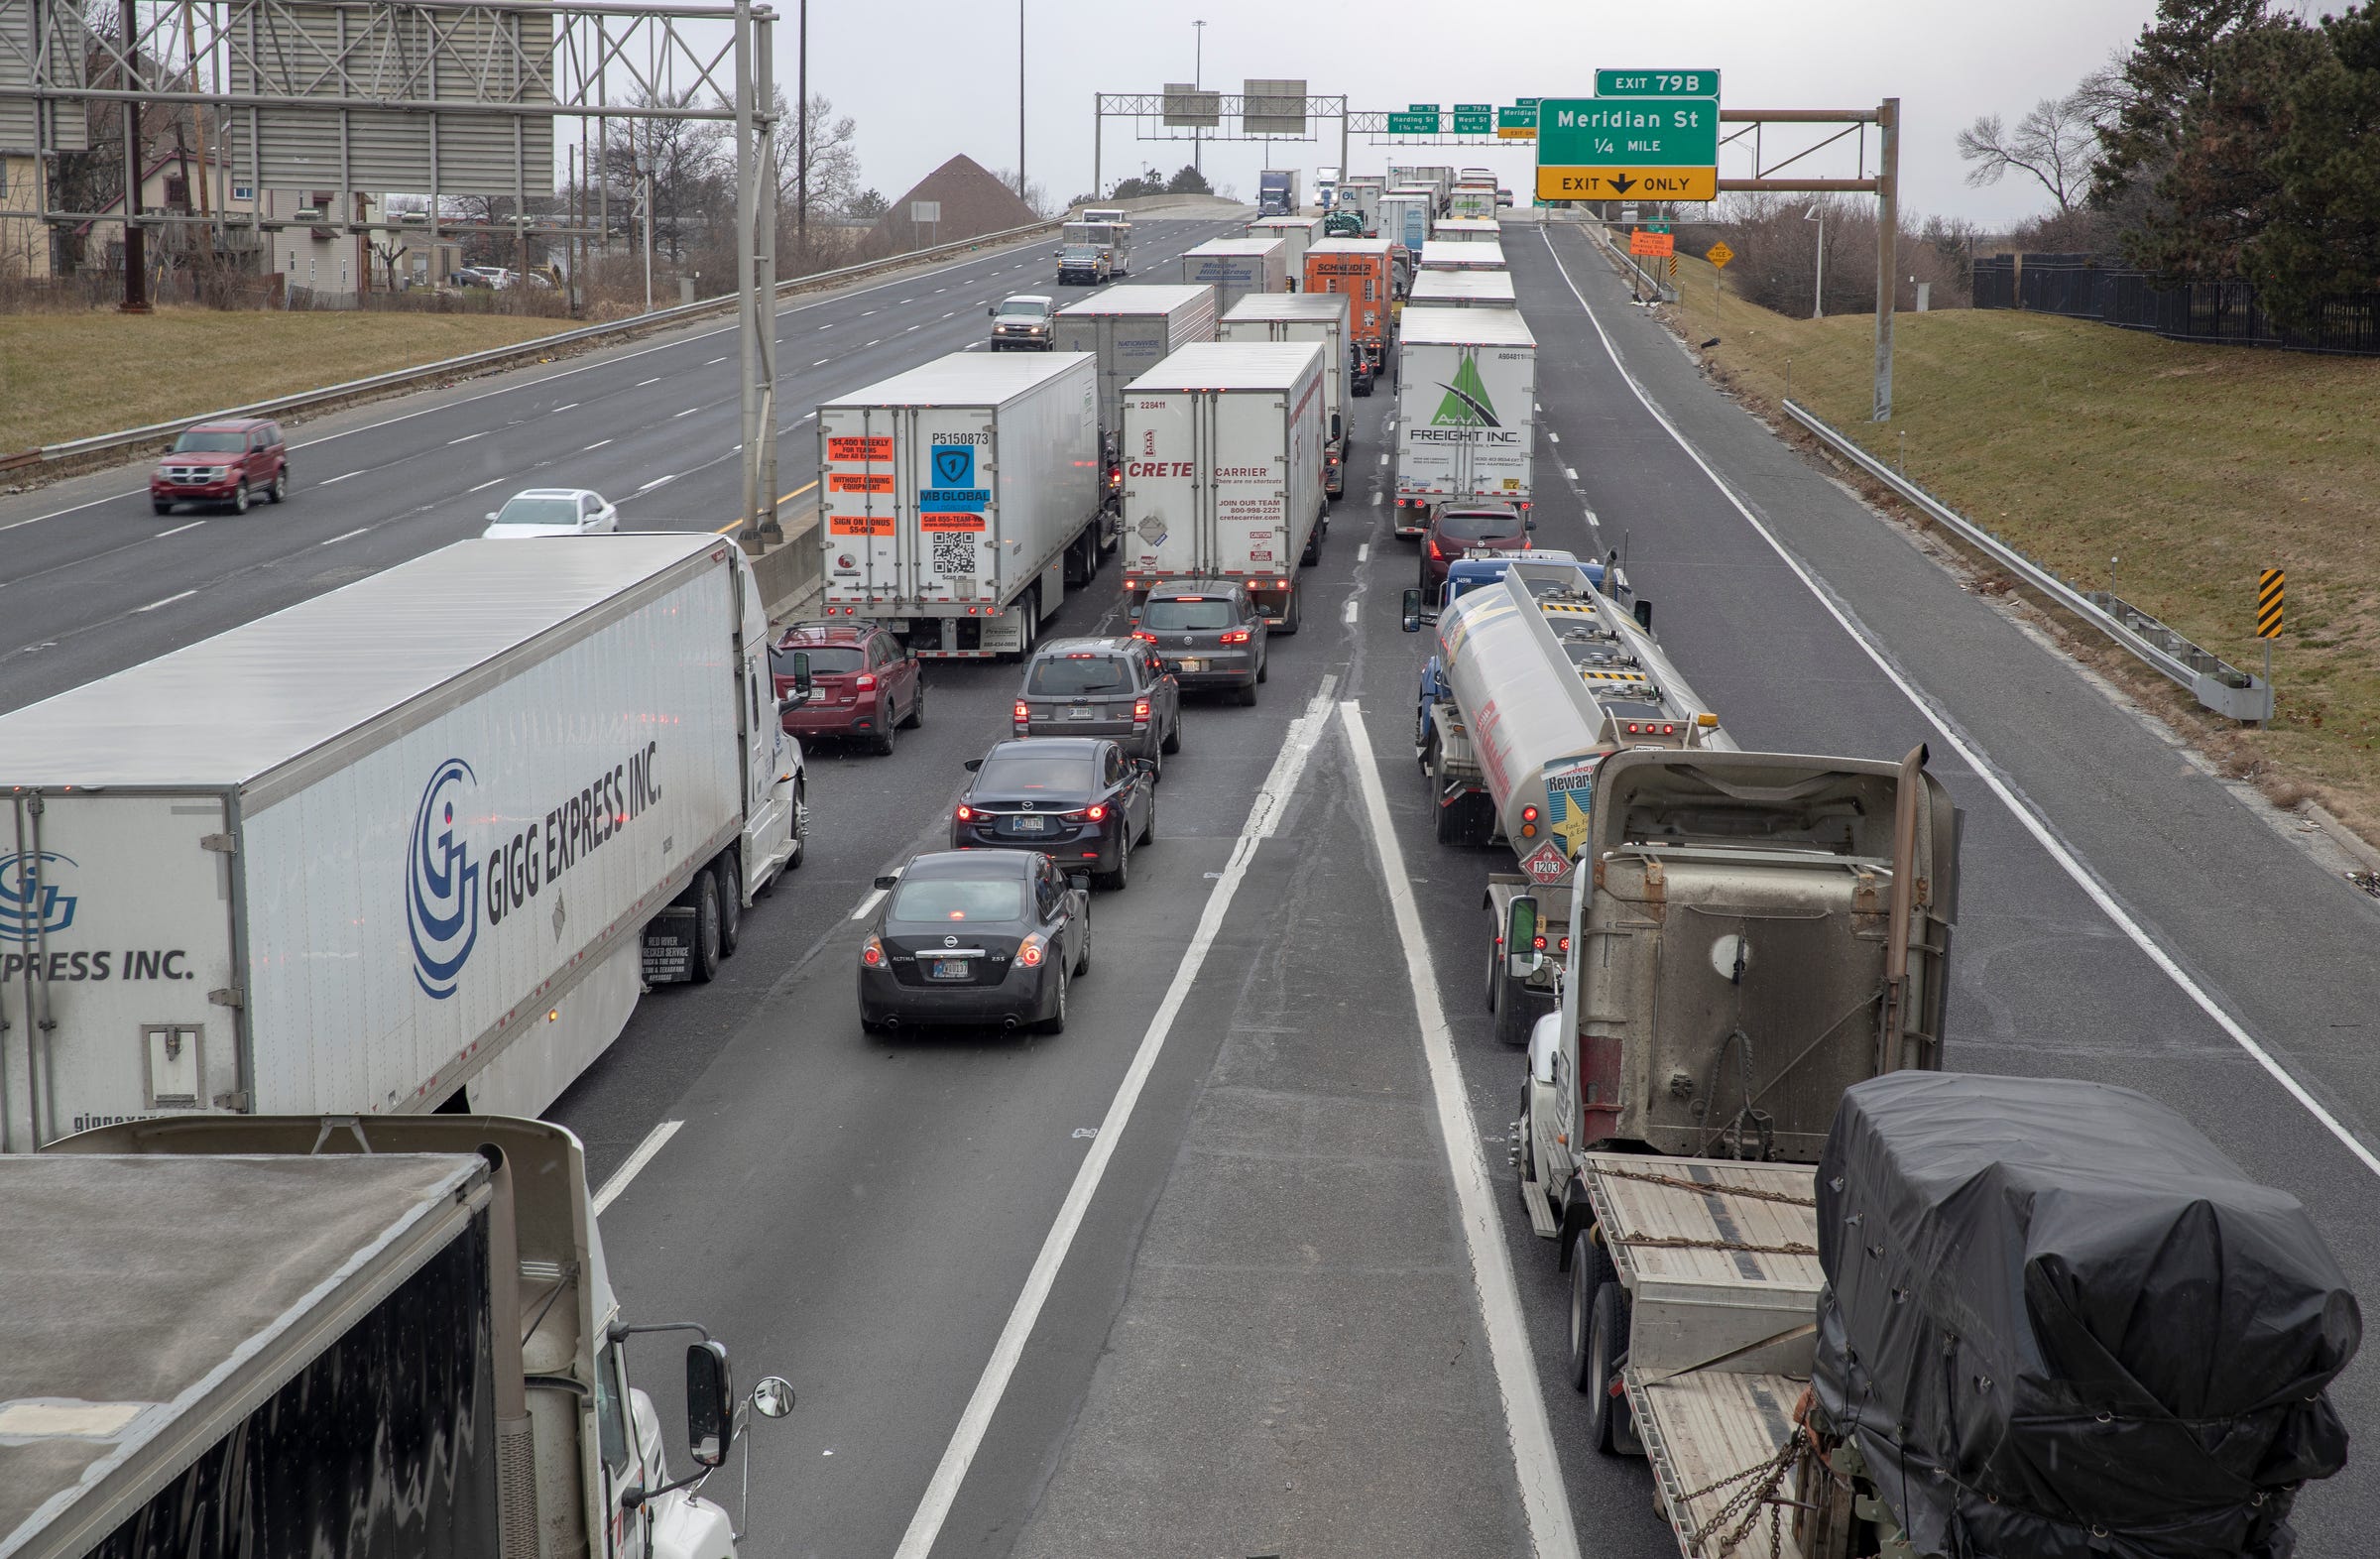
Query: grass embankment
point(2193, 465)
point(72, 375)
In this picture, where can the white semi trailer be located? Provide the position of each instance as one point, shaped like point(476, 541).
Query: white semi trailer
point(1466, 410)
point(401, 844)
point(1236, 266)
point(1320, 317)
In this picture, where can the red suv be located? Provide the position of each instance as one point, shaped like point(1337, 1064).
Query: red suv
point(226, 462)
point(862, 681)
point(1459, 528)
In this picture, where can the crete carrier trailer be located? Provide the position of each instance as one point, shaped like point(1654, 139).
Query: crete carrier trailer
point(1466, 410)
point(336, 1335)
point(1462, 290)
point(404, 843)
point(1223, 470)
point(959, 498)
point(1236, 266)
point(1320, 317)
point(1129, 331)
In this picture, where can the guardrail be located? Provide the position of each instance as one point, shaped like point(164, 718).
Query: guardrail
point(2214, 683)
point(129, 437)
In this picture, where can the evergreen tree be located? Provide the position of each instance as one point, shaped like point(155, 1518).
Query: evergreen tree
point(2325, 234)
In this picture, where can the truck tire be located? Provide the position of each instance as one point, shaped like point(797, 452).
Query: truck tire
point(1292, 616)
point(729, 880)
point(1495, 958)
point(707, 927)
point(801, 824)
point(1599, 1345)
point(1450, 828)
point(1313, 553)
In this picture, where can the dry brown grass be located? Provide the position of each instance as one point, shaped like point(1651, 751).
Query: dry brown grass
point(2195, 466)
point(71, 375)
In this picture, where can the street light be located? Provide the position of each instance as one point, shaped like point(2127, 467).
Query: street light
point(1020, 184)
point(1198, 57)
point(1818, 300)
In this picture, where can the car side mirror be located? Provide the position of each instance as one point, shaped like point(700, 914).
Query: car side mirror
point(992, 313)
point(1411, 610)
point(710, 1403)
point(1080, 881)
point(1644, 613)
point(1528, 525)
point(772, 1397)
point(972, 764)
point(491, 516)
point(887, 884)
point(1147, 766)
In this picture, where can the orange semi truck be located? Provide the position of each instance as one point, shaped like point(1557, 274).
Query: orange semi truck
point(1359, 268)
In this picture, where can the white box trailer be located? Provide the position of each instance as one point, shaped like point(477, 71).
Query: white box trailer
point(1442, 254)
point(1462, 290)
point(393, 844)
point(1236, 266)
point(1466, 397)
point(1223, 470)
point(960, 498)
point(1130, 331)
point(1301, 233)
point(1467, 229)
point(1320, 317)
point(1473, 199)
point(1405, 216)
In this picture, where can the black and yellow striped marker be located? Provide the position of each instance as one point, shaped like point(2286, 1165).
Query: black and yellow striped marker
point(2267, 603)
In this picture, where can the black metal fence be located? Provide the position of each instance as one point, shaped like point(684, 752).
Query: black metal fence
point(2084, 287)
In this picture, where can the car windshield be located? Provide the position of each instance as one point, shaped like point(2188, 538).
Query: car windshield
point(940, 902)
point(526, 509)
point(825, 660)
point(1480, 528)
point(1031, 310)
point(1071, 774)
point(1063, 677)
point(198, 443)
point(1187, 613)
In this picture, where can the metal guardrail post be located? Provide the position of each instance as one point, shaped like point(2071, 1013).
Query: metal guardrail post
point(2214, 683)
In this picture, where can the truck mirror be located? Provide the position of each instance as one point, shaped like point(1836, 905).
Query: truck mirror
point(1522, 956)
point(772, 1397)
point(632, 1498)
point(801, 672)
point(710, 1403)
point(1413, 609)
point(1644, 613)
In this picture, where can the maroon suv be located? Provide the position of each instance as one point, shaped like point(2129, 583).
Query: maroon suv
point(233, 462)
point(1460, 529)
point(863, 682)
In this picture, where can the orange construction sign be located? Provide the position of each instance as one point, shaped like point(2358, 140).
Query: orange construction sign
point(1641, 242)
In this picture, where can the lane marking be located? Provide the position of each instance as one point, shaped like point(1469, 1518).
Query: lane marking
point(167, 601)
point(688, 412)
point(822, 362)
point(623, 1176)
point(713, 361)
point(348, 537)
point(1363, 551)
point(879, 341)
point(482, 486)
point(1383, 457)
point(2034, 824)
point(1535, 1463)
point(875, 896)
point(656, 482)
point(177, 530)
point(566, 405)
point(641, 383)
point(1376, 500)
point(1553, 436)
point(1571, 471)
point(1263, 816)
point(1348, 614)
point(597, 444)
point(341, 477)
point(467, 437)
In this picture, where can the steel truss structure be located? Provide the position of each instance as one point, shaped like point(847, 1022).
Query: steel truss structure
point(439, 99)
point(1146, 107)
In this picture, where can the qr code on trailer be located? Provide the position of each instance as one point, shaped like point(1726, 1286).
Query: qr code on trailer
point(953, 554)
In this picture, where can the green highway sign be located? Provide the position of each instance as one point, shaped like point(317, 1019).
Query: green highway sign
point(1475, 119)
point(1474, 108)
point(1420, 121)
point(1628, 132)
point(1517, 124)
point(1422, 108)
point(1528, 102)
point(1656, 83)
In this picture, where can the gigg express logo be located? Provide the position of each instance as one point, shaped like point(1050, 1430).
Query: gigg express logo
point(441, 883)
point(31, 904)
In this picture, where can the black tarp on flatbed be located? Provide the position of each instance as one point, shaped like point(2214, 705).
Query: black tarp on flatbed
point(2059, 1323)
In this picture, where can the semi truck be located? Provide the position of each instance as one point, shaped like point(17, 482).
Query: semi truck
point(1326, 187)
point(1093, 253)
point(1466, 410)
point(1320, 317)
point(1445, 254)
point(1405, 217)
point(961, 498)
point(1236, 266)
point(1361, 194)
point(1301, 233)
point(1462, 290)
point(1129, 331)
point(1223, 471)
point(1276, 192)
point(411, 843)
point(1466, 230)
point(338, 1335)
point(1358, 269)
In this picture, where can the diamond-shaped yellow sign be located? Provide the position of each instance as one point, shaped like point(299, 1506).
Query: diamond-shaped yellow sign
point(1719, 255)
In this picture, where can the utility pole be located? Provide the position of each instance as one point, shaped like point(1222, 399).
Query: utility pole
point(1197, 80)
point(801, 139)
point(1020, 184)
point(1889, 233)
point(136, 247)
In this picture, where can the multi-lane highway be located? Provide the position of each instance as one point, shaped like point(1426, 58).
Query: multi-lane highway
point(1208, 1274)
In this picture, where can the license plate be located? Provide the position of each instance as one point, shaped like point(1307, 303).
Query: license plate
point(1081, 712)
point(1191, 666)
point(1030, 825)
point(950, 969)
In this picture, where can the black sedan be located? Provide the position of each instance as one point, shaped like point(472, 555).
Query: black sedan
point(966, 938)
point(1077, 799)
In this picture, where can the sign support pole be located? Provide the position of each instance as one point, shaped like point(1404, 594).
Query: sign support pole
point(1098, 191)
point(1888, 224)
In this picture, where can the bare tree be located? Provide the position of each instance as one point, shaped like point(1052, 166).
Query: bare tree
point(2056, 142)
point(834, 160)
point(388, 249)
point(1034, 194)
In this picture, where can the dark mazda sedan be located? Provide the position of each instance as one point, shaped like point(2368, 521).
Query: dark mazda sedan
point(1077, 799)
point(974, 938)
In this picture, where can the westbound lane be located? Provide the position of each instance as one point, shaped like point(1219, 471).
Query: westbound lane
point(90, 581)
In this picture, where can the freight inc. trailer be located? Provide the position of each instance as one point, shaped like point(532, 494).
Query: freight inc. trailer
point(392, 847)
point(1466, 410)
point(1223, 470)
point(961, 498)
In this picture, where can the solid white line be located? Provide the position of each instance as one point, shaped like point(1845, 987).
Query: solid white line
point(177, 530)
point(467, 437)
point(944, 1490)
point(341, 477)
point(1363, 551)
point(1535, 1462)
point(623, 1177)
point(1347, 616)
point(167, 601)
point(491, 482)
point(597, 444)
point(875, 896)
point(2034, 824)
point(345, 537)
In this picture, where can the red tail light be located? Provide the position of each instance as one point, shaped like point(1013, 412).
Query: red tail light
point(1140, 711)
point(1144, 635)
point(1566, 945)
point(865, 681)
point(1024, 711)
point(871, 953)
point(966, 814)
point(1538, 944)
point(1235, 636)
point(1097, 812)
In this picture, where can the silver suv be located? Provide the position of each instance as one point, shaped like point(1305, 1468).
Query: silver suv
point(1022, 322)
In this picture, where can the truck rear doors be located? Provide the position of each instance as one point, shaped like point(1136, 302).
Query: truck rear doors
point(909, 499)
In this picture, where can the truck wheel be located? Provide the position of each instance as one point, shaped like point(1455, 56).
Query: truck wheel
point(707, 927)
point(1450, 822)
point(730, 882)
point(801, 824)
point(1495, 960)
point(1291, 615)
point(1313, 553)
point(888, 731)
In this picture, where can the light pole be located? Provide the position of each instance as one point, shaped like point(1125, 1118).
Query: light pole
point(801, 139)
point(1197, 80)
point(1818, 300)
point(1020, 184)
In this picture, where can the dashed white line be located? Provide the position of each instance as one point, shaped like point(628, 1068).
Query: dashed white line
point(623, 1176)
point(597, 444)
point(566, 405)
point(709, 362)
point(1571, 471)
point(879, 341)
point(1552, 437)
point(1376, 500)
point(167, 601)
point(875, 896)
point(688, 412)
point(484, 486)
point(344, 536)
point(864, 313)
point(641, 383)
point(657, 482)
point(177, 530)
point(822, 362)
point(467, 437)
point(912, 327)
point(1364, 552)
point(341, 477)
point(1383, 457)
point(1348, 615)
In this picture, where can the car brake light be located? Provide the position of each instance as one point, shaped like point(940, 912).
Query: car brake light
point(1144, 635)
point(1024, 711)
point(1097, 812)
point(865, 681)
point(1435, 555)
point(1667, 729)
point(1029, 951)
point(1235, 636)
point(1140, 710)
point(1280, 585)
point(966, 814)
point(871, 953)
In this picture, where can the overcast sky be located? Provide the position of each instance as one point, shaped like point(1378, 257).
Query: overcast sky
point(928, 78)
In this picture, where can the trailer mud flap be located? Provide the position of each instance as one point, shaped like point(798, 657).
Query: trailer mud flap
point(669, 946)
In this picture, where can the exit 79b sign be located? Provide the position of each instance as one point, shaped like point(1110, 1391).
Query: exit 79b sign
point(1628, 147)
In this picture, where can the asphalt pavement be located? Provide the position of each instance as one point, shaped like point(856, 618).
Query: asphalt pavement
point(1200, 1276)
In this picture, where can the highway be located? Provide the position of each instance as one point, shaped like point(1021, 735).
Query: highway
point(1202, 1275)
